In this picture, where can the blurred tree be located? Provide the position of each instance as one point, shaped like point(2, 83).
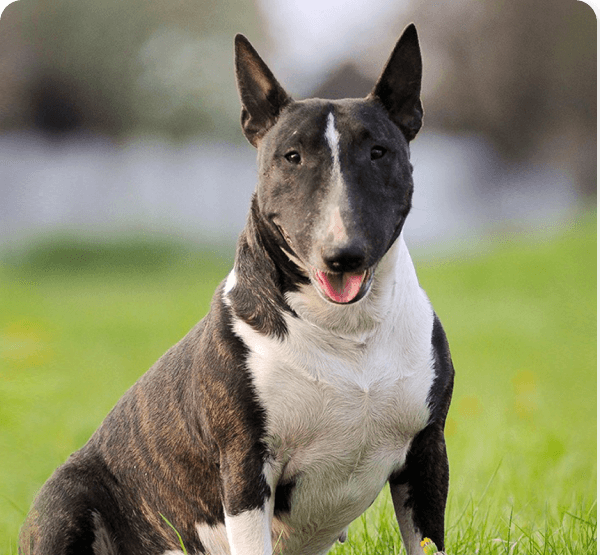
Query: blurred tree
point(347, 81)
point(522, 73)
point(124, 66)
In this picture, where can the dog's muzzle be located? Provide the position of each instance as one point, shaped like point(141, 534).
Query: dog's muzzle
point(343, 287)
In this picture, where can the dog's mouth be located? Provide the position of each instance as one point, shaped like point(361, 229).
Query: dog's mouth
point(342, 287)
point(335, 287)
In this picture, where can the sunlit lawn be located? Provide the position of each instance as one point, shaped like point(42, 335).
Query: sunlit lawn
point(77, 327)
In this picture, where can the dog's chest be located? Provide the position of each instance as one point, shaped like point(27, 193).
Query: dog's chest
point(341, 415)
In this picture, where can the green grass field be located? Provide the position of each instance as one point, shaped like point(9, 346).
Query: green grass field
point(80, 322)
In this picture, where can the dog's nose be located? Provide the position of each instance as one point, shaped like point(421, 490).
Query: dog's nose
point(344, 259)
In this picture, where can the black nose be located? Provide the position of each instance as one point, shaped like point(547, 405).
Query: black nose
point(344, 259)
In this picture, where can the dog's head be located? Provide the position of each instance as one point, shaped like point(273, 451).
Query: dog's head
point(335, 181)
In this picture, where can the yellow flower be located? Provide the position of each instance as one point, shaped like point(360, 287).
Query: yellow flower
point(429, 548)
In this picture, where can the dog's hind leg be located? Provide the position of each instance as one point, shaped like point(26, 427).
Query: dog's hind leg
point(86, 536)
point(65, 518)
point(103, 543)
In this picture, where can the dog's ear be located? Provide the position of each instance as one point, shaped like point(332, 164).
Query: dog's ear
point(399, 86)
point(262, 96)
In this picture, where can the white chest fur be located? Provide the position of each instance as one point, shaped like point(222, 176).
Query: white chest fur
point(345, 392)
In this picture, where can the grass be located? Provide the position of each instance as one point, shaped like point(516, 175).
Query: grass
point(80, 322)
point(179, 538)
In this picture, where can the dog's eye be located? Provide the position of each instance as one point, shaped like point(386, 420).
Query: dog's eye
point(293, 157)
point(377, 152)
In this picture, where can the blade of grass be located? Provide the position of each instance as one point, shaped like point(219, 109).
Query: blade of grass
point(176, 531)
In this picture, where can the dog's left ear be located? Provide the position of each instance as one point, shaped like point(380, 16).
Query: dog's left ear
point(399, 86)
point(262, 96)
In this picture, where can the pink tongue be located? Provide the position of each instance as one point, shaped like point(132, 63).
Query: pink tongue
point(341, 289)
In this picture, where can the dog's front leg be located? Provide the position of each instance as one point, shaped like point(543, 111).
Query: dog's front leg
point(420, 489)
point(248, 502)
point(249, 532)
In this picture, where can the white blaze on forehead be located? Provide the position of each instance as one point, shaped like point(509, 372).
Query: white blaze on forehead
point(333, 140)
point(335, 224)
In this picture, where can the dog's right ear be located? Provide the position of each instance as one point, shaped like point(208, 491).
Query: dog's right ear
point(262, 96)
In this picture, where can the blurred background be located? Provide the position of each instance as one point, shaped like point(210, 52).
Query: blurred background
point(125, 180)
point(122, 115)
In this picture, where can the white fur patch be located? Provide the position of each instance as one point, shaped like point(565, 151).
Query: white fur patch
point(333, 140)
point(334, 222)
point(213, 538)
point(249, 533)
point(345, 392)
point(230, 282)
